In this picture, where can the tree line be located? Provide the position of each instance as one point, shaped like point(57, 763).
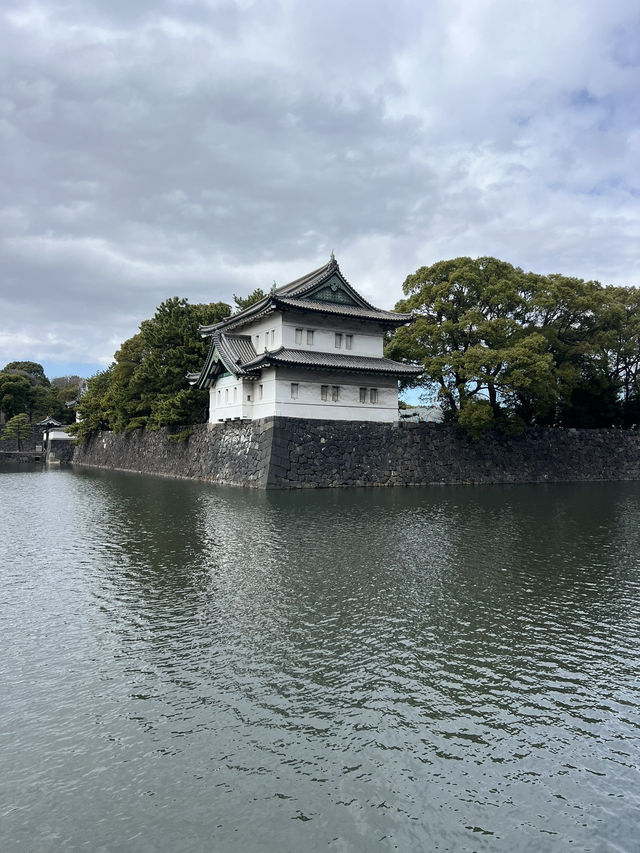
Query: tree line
point(503, 348)
point(500, 347)
point(145, 386)
point(25, 390)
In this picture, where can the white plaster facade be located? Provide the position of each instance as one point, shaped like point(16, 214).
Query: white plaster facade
point(315, 358)
point(299, 393)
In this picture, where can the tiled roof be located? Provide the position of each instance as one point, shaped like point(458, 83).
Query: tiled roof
point(232, 351)
point(332, 361)
point(238, 349)
point(291, 296)
point(338, 309)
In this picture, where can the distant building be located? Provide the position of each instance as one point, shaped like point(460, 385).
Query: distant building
point(310, 349)
point(56, 442)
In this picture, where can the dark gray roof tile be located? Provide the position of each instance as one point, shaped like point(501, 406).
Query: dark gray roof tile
point(332, 361)
point(340, 310)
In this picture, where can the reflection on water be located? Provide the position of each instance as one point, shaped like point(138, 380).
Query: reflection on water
point(191, 668)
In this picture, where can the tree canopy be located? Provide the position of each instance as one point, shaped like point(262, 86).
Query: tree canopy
point(24, 388)
point(509, 348)
point(146, 384)
point(243, 302)
point(17, 427)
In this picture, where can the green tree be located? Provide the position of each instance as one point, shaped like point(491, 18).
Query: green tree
point(146, 386)
point(15, 394)
point(19, 428)
point(64, 389)
point(31, 369)
point(577, 320)
point(92, 407)
point(621, 349)
point(243, 302)
point(469, 333)
point(25, 388)
point(507, 348)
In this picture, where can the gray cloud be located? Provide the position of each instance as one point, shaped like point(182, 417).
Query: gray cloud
point(153, 149)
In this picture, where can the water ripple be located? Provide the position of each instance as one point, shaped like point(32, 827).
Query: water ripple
point(189, 668)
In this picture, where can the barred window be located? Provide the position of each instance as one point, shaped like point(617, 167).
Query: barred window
point(335, 393)
point(299, 336)
point(324, 392)
point(348, 341)
point(338, 340)
point(363, 395)
point(373, 395)
point(310, 337)
point(294, 390)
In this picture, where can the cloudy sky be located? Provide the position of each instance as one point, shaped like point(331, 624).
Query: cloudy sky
point(152, 148)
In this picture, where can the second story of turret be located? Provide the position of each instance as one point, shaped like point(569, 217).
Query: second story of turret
point(315, 321)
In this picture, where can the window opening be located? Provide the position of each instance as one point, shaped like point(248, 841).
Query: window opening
point(324, 392)
point(338, 340)
point(294, 390)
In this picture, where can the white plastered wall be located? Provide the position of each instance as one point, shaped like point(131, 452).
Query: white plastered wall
point(366, 340)
point(228, 399)
point(264, 394)
point(309, 403)
point(266, 333)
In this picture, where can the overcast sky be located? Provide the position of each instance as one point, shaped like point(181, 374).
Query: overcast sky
point(157, 148)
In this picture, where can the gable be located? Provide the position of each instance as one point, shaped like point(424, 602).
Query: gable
point(333, 290)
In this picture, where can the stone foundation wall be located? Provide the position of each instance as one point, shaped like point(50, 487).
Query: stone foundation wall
point(322, 453)
point(299, 453)
point(233, 453)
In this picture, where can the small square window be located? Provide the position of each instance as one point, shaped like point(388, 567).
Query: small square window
point(324, 392)
point(373, 395)
point(294, 390)
point(348, 341)
point(309, 337)
point(298, 336)
point(338, 340)
point(363, 395)
point(335, 393)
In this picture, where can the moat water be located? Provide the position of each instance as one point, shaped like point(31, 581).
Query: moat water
point(189, 668)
